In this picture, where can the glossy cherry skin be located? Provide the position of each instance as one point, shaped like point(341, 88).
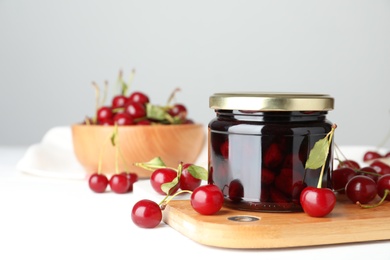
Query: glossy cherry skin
point(135, 109)
point(98, 182)
point(361, 189)
point(139, 97)
point(161, 176)
point(382, 184)
point(381, 167)
point(122, 118)
point(178, 110)
point(317, 202)
point(187, 181)
point(132, 178)
point(207, 199)
point(236, 190)
point(118, 101)
point(349, 163)
point(146, 214)
point(104, 113)
point(371, 155)
point(340, 178)
point(119, 183)
point(369, 171)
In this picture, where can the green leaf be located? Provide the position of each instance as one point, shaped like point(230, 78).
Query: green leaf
point(155, 163)
point(318, 154)
point(166, 187)
point(155, 112)
point(198, 172)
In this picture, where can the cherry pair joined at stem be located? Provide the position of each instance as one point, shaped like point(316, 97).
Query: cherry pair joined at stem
point(119, 183)
point(206, 200)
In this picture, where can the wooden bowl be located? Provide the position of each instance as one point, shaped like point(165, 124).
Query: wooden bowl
point(141, 143)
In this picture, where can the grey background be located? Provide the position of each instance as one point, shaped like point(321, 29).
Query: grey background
point(51, 51)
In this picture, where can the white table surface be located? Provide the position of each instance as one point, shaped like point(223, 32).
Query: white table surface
point(56, 218)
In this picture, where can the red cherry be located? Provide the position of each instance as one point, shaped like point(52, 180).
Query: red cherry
point(103, 114)
point(236, 190)
point(286, 179)
point(369, 171)
point(144, 122)
point(146, 214)
point(207, 199)
point(179, 111)
point(118, 101)
point(135, 109)
point(119, 183)
point(107, 122)
point(132, 178)
point(273, 156)
point(371, 155)
point(340, 178)
point(361, 189)
point(187, 181)
point(122, 118)
point(161, 176)
point(381, 167)
point(98, 182)
point(267, 176)
point(138, 97)
point(317, 202)
point(383, 184)
point(349, 163)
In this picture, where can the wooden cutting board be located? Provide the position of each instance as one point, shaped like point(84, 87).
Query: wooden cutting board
point(348, 223)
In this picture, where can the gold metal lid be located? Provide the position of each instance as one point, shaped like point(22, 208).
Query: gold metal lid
point(271, 101)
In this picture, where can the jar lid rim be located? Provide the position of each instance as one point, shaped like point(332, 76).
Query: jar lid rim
point(272, 101)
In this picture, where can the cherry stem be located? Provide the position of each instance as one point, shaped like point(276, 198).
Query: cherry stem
point(337, 156)
point(168, 198)
point(367, 206)
point(172, 95)
point(88, 121)
point(330, 138)
point(132, 74)
point(122, 87)
point(123, 160)
point(97, 97)
point(371, 173)
point(105, 93)
point(151, 167)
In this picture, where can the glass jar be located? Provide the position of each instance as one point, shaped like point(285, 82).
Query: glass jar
point(259, 144)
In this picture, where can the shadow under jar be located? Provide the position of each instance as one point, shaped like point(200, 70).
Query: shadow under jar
point(259, 144)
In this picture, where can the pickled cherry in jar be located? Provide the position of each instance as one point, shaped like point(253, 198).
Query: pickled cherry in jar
point(259, 144)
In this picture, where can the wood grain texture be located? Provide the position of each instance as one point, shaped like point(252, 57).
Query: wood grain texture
point(173, 143)
point(348, 223)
